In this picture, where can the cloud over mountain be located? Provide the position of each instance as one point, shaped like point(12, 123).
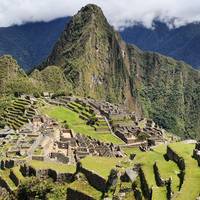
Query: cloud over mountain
point(119, 13)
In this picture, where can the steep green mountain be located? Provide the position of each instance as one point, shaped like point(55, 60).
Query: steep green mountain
point(87, 52)
point(96, 62)
point(51, 79)
point(13, 79)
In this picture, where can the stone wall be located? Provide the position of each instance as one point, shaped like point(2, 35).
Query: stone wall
point(60, 177)
point(77, 195)
point(4, 184)
point(14, 178)
point(10, 163)
point(60, 157)
point(146, 190)
point(38, 158)
point(24, 169)
point(196, 155)
point(46, 173)
point(158, 178)
point(40, 173)
point(94, 180)
point(172, 155)
point(7, 164)
point(169, 189)
point(137, 194)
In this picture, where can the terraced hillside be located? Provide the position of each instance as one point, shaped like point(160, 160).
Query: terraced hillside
point(86, 113)
point(19, 112)
point(96, 62)
point(76, 117)
point(91, 180)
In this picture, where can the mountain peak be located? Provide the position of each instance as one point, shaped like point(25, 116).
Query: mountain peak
point(89, 29)
point(91, 8)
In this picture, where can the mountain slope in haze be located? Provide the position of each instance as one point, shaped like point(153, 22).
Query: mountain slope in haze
point(13, 79)
point(180, 43)
point(31, 43)
point(96, 62)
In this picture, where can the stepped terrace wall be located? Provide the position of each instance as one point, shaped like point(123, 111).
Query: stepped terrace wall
point(46, 173)
point(76, 195)
point(5, 185)
point(172, 155)
point(196, 153)
point(146, 190)
point(94, 180)
point(158, 178)
point(10, 163)
point(14, 178)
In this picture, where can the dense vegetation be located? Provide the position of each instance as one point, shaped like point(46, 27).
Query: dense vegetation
point(97, 63)
point(90, 59)
point(34, 188)
point(32, 42)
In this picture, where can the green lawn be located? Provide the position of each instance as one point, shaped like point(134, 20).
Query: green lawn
point(78, 125)
point(62, 168)
point(18, 174)
point(167, 169)
point(5, 176)
point(84, 187)
point(191, 185)
point(100, 165)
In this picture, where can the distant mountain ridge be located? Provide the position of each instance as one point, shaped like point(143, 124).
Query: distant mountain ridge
point(31, 43)
point(180, 43)
point(93, 60)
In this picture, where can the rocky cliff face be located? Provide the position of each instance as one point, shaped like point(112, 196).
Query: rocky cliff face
point(89, 51)
point(97, 63)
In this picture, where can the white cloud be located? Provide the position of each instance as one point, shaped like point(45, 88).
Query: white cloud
point(120, 13)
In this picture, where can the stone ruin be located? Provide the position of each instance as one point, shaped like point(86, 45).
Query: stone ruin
point(196, 152)
point(73, 147)
point(121, 122)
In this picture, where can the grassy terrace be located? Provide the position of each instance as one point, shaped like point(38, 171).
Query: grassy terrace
point(4, 174)
point(84, 187)
point(100, 165)
point(62, 168)
point(191, 185)
point(18, 174)
point(78, 125)
point(167, 169)
point(15, 115)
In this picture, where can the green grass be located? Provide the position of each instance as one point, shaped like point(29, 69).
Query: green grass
point(62, 168)
point(78, 125)
point(167, 169)
point(191, 185)
point(5, 176)
point(18, 174)
point(130, 150)
point(39, 151)
point(100, 165)
point(84, 187)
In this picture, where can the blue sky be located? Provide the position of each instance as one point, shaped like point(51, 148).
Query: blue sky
point(120, 13)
